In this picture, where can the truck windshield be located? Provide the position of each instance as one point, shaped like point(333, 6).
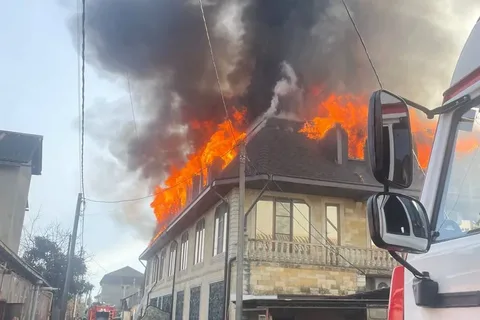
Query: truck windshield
point(460, 211)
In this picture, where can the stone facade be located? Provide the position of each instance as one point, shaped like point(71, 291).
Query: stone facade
point(274, 278)
point(295, 272)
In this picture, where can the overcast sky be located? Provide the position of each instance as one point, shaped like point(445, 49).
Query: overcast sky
point(39, 95)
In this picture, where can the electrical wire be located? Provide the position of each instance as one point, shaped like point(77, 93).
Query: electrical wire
point(131, 105)
point(363, 44)
point(224, 106)
point(249, 133)
point(326, 240)
point(331, 248)
point(227, 116)
point(82, 110)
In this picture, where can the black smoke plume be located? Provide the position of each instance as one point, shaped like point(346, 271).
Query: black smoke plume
point(162, 44)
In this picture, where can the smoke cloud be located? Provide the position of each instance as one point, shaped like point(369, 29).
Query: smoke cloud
point(162, 47)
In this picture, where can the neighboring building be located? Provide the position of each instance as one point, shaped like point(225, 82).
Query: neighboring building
point(21, 287)
point(20, 158)
point(307, 240)
point(119, 284)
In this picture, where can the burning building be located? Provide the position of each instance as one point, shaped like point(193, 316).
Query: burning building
point(307, 181)
point(306, 231)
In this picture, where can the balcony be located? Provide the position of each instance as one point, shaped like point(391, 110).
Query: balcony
point(370, 260)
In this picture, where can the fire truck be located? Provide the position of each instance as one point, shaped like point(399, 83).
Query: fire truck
point(101, 312)
point(436, 239)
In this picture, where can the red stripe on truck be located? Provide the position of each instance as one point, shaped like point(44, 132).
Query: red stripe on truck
point(395, 303)
point(461, 85)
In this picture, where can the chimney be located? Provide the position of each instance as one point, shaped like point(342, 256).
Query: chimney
point(342, 145)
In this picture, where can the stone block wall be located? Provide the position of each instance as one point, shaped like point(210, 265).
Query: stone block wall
point(268, 278)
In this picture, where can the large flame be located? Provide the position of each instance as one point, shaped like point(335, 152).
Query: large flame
point(348, 111)
point(351, 112)
point(172, 196)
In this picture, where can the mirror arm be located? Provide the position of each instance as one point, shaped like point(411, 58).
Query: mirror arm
point(425, 290)
point(408, 266)
point(430, 114)
point(439, 110)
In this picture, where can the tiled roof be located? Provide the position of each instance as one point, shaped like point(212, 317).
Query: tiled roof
point(279, 149)
point(21, 148)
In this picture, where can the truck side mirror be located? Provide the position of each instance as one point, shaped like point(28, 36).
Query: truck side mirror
point(398, 223)
point(390, 140)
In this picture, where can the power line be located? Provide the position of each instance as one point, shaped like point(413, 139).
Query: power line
point(163, 190)
point(227, 116)
point(82, 111)
point(131, 105)
point(363, 44)
point(326, 244)
point(251, 132)
point(79, 93)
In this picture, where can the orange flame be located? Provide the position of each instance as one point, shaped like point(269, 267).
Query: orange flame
point(172, 197)
point(351, 112)
point(348, 111)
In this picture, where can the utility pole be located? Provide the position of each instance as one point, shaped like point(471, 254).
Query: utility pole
point(240, 236)
point(71, 254)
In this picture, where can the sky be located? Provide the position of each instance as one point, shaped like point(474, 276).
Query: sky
point(39, 95)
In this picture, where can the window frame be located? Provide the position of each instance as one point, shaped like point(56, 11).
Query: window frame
point(199, 251)
point(154, 270)
point(220, 210)
point(171, 259)
point(184, 251)
point(161, 267)
point(292, 204)
point(338, 228)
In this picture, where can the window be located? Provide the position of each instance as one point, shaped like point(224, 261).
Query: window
point(171, 260)
point(332, 221)
point(283, 219)
point(215, 301)
point(153, 302)
point(199, 241)
point(455, 212)
point(153, 274)
point(184, 251)
point(264, 219)
point(162, 264)
point(167, 303)
point(220, 229)
point(179, 305)
point(195, 297)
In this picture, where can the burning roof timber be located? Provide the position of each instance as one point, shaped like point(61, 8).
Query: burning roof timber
point(281, 152)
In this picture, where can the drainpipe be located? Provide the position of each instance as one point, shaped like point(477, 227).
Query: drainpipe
point(226, 274)
point(49, 291)
point(51, 302)
point(226, 277)
point(173, 280)
point(36, 291)
point(226, 315)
